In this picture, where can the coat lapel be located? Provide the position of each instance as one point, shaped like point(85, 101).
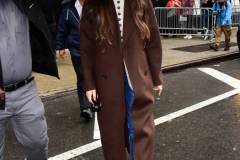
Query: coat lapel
point(128, 23)
point(34, 13)
point(74, 9)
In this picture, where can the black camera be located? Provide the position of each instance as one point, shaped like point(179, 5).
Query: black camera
point(96, 106)
point(219, 11)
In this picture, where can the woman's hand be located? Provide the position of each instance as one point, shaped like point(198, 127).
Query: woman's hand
point(158, 89)
point(91, 96)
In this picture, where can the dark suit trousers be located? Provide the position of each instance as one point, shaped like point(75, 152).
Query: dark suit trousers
point(76, 61)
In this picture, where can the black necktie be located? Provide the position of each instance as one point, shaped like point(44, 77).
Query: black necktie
point(1, 75)
point(2, 101)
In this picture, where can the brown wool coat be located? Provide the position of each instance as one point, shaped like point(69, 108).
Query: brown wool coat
point(104, 70)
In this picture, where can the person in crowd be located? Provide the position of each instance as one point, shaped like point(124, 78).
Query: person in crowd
point(188, 12)
point(223, 11)
point(158, 3)
point(173, 18)
point(121, 57)
point(26, 45)
point(207, 3)
point(207, 14)
point(68, 38)
point(238, 37)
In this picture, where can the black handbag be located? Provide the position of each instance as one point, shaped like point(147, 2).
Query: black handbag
point(96, 106)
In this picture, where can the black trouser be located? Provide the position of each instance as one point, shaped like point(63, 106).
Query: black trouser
point(77, 65)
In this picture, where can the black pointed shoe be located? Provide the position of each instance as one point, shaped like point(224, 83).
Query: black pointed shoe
point(214, 47)
point(86, 114)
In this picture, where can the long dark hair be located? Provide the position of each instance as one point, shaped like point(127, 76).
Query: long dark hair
point(101, 9)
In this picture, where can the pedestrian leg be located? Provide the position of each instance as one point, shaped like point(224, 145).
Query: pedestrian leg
point(227, 33)
point(3, 123)
point(84, 104)
point(29, 124)
point(4, 117)
point(238, 37)
point(218, 36)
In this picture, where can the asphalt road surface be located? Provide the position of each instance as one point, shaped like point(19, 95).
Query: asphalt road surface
point(197, 118)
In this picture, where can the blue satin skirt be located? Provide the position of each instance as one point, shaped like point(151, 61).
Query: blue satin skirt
point(129, 100)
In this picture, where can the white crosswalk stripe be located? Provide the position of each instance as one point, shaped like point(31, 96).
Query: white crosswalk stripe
point(235, 83)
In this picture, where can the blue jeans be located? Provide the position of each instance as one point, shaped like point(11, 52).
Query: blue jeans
point(129, 100)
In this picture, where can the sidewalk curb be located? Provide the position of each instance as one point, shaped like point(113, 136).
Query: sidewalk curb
point(202, 61)
point(167, 69)
point(57, 93)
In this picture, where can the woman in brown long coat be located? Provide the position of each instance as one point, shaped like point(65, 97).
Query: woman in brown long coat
point(121, 57)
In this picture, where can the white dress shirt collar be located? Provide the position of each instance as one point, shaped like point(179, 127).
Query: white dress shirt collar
point(78, 6)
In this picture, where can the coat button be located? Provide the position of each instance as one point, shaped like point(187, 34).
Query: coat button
point(104, 77)
point(31, 5)
point(121, 39)
point(102, 51)
point(145, 73)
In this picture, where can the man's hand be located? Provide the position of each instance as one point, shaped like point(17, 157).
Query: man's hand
point(61, 53)
point(91, 96)
point(2, 94)
point(158, 89)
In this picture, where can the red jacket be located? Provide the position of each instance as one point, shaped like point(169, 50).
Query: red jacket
point(174, 3)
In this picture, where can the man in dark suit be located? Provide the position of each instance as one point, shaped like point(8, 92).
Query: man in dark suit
point(26, 46)
point(68, 37)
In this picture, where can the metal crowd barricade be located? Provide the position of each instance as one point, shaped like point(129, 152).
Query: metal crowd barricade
point(236, 16)
point(183, 21)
